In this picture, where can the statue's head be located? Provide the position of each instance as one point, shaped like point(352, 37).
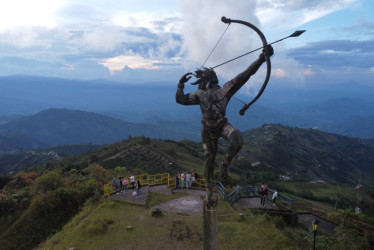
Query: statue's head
point(206, 78)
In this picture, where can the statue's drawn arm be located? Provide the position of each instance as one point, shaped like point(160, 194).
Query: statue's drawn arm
point(186, 99)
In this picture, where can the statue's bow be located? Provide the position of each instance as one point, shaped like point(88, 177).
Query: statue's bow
point(267, 58)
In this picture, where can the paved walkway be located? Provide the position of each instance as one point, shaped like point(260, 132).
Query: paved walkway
point(192, 204)
point(255, 202)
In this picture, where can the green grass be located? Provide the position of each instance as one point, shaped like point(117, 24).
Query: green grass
point(104, 226)
point(323, 193)
point(320, 189)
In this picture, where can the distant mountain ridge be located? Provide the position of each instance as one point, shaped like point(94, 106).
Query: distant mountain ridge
point(328, 107)
point(62, 127)
point(18, 141)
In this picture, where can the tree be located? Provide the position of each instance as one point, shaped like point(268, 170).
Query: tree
point(48, 182)
point(98, 172)
point(120, 170)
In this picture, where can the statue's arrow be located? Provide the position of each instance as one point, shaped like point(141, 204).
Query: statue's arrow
point(295, 34)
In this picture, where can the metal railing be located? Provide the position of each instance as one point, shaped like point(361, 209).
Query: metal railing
point(330, 215)
point(197, 184)
point(252, 191)
point(151, 180)
point(145, 179)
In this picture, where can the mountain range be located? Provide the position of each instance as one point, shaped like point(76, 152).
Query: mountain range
point(63, 127)
point(269, 153)
point(346, 109)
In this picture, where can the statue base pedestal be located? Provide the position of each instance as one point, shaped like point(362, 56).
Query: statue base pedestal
point(210, 225)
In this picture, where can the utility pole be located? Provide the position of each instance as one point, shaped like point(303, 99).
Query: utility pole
point(336, 203)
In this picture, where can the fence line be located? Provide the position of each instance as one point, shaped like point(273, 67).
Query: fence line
point(246, 191)
point(329, 215)
point(152, 180)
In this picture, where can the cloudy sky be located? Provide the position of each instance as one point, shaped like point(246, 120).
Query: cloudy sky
point(141, 41)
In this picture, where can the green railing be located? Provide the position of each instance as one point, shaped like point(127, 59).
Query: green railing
point(251, 191)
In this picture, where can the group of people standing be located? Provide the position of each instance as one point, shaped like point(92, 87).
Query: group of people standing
point(185, 179)
point(264, 193)
point(124, 184)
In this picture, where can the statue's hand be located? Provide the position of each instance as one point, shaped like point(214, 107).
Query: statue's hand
point(267, 51)
point(185, 78)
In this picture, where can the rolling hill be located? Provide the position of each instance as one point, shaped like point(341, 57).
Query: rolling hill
point(304, 154)
point(270, 153)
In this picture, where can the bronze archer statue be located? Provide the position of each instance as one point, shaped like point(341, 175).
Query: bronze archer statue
point(213, 101)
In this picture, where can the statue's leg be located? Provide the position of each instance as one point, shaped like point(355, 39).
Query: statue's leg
point(210, 147)
point(235, 139)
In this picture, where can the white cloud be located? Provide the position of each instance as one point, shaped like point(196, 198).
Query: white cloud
point(145, 34)
point(104, 38)
point(286, 14)
point(22, 13)
point(202, 30)
point(150, 20)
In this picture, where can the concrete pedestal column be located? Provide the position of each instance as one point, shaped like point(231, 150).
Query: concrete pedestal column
point(210, 225)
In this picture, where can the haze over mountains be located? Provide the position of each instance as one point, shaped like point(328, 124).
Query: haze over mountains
point(346, 109)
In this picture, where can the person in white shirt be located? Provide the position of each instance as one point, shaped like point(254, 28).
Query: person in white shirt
point(274, 197)
point(188, 180)
point(182, 180)
point(132, 181)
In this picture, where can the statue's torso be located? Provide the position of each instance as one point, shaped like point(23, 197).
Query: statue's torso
point(213, 103)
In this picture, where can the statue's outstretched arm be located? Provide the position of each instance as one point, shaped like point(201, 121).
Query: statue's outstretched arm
point(237, 82)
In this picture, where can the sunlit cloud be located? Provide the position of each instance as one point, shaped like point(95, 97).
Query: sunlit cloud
point(309, 72)
point(131, 61)
point(279, 73)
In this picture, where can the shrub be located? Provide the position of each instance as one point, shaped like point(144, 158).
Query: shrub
point(47, 213)
point(4, 179)
point(89, 188)
point(48, 182)
point(120, 170)
point(98, 172)
point(279, 222)
point(22, 180)
point(7, 206)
